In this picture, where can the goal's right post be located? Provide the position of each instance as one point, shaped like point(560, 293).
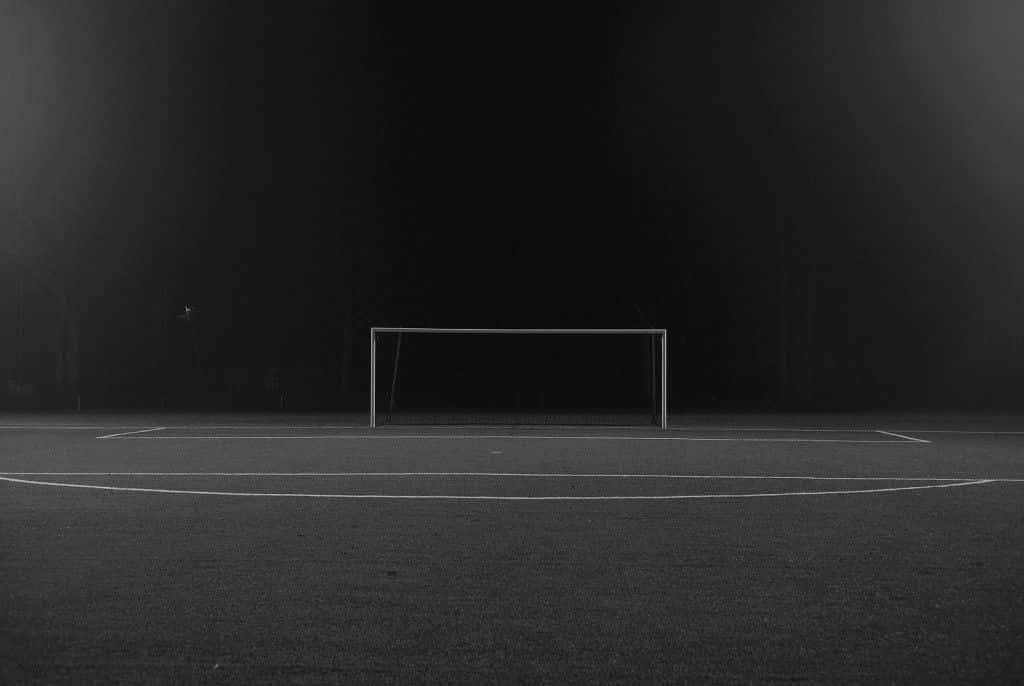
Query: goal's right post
point(658, 354)
point(664, 379)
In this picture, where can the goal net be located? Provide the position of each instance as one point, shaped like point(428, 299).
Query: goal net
point(518, 376)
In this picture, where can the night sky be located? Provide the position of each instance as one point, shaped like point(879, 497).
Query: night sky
point(820, 200)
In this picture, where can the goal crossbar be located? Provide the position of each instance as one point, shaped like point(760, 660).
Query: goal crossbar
point(411, 329)
point(661, 334)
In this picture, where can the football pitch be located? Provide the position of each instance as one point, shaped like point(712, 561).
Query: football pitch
point(313, 549)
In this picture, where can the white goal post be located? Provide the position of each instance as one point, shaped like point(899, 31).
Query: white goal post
point(661, 335)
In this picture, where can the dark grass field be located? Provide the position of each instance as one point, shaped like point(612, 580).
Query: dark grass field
point(160, 586)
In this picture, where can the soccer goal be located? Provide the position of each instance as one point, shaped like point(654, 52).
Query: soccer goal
point(616, 377)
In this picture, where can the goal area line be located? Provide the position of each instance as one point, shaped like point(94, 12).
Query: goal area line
point(161, 435)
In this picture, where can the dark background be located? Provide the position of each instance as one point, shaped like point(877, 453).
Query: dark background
point(820, 200)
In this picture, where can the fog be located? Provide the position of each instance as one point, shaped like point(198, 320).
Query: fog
point(819, 201)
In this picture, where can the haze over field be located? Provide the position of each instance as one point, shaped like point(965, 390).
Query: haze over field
point(819, 200)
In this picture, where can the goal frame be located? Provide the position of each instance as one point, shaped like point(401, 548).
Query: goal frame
point(660, 334)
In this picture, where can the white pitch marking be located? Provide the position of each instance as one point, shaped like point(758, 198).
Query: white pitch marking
point(909, 438)
point(381, 496)
point(129, 433)
point(836, 430)
point(61, 427)
point(479, 436)
point(512, 474)
point(272, 426)
point(967, 432)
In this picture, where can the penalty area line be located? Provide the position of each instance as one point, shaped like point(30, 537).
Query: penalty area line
point(130, 433)
point(61, 427)
point(909, 438)
point(967, 432)
point(283, 427)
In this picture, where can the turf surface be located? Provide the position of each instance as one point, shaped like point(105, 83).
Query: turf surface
point(131, 587)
